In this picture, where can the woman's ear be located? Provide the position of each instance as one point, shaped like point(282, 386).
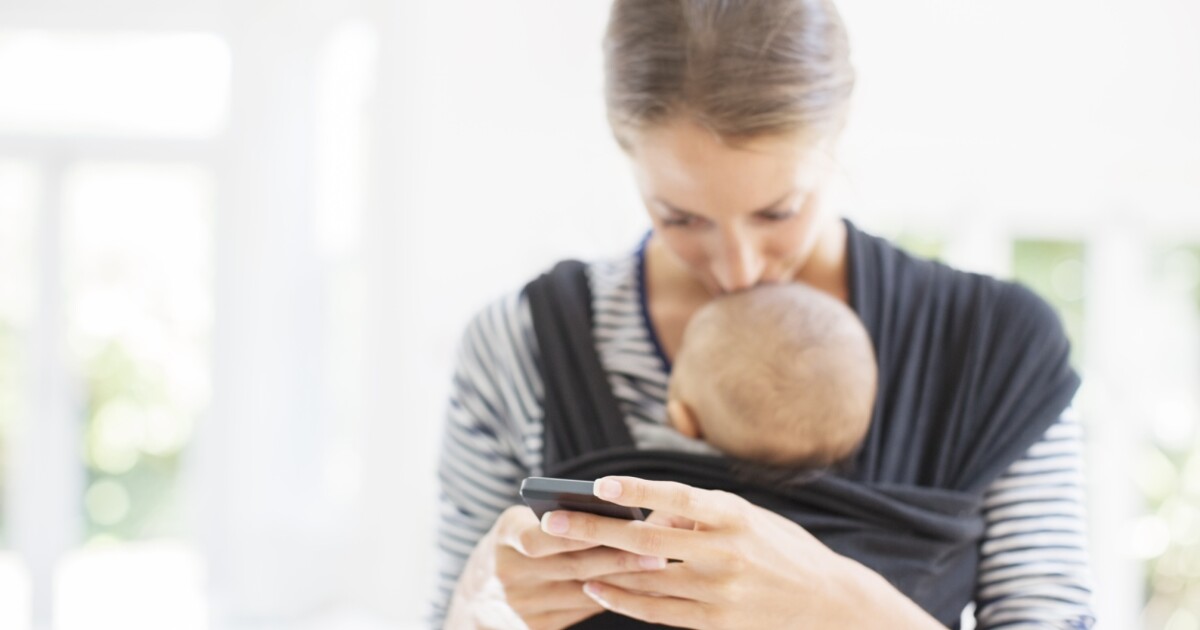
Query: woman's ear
point(683, 419)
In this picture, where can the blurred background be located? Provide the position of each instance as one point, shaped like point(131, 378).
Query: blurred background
point(239, 241)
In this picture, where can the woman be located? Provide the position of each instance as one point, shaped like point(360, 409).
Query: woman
point(729, 112)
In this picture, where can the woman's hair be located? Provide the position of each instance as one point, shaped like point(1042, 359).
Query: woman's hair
point(741, 68)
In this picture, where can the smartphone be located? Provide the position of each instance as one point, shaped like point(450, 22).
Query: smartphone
point(546, 494)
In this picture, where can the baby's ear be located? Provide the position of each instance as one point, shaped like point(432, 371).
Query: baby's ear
point(683, 419)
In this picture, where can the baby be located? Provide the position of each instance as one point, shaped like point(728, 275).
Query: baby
point(782, 374)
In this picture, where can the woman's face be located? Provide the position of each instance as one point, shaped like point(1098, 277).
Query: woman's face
point(738, 216)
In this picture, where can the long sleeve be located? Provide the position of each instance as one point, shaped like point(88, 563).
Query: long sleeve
point(1034, 570)
point(493, 422)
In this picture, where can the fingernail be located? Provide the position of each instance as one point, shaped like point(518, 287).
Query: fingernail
point(554, 523)
point(591, 589)
point(652, 562)
point(607, 488)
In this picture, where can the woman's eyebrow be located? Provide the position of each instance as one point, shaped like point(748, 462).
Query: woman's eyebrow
point(768, 208)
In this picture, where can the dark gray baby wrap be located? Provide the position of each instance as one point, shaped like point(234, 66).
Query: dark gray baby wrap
point(972, 372)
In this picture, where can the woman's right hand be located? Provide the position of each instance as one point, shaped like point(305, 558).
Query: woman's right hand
point(520, 577)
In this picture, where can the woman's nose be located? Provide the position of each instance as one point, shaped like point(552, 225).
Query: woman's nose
point(738, 266)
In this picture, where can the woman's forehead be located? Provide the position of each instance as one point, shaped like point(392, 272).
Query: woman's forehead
point(686, 166)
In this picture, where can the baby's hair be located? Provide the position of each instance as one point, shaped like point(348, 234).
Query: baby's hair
point(782, 360)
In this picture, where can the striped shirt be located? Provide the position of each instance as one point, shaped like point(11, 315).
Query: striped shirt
point(1033, 570)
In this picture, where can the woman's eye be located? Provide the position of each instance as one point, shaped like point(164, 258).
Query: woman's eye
point(681, 221)
point(777, 215)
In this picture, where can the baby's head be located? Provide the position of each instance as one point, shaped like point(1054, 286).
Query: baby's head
point(781, 374)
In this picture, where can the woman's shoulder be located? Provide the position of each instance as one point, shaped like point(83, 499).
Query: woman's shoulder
point(507, 320)
point(973, 368)
point(889, 279)
point(497, 353)
point(500, 319)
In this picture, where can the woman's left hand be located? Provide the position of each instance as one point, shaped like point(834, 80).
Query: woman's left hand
point(741, 565)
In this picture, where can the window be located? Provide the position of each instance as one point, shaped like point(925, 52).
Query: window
point(18, 191)
point(122, 252)
point(18, 198)
point(1167, 466)
point(138, 247)
point(1054, 269)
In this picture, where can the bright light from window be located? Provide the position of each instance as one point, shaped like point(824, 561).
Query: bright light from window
point(131, 84)
point(139, 586)
point(137, 276)
point(18, 195)
point(345, 76)
point(14, 584)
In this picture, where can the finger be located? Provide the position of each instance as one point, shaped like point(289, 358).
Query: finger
point(677, 580)
point(592, 563)
point(670, 520)
point(634, 536)
point(705, 506)
point(520, 529)
point(563, 618)
point(670, 611)
point(547, 597)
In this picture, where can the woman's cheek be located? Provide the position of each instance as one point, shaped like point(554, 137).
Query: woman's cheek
point(796, 242)
point(788, 247)
point(688, 249)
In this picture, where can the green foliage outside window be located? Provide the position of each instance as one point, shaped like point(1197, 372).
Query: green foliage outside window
point(921, 245)
point(131, 472)
point(1055, 270)
point(1168, 467)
